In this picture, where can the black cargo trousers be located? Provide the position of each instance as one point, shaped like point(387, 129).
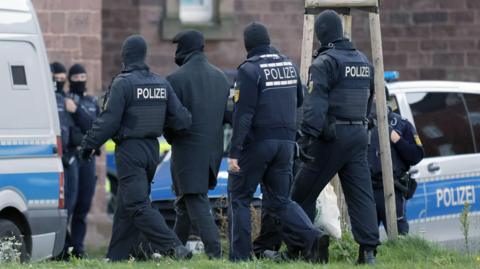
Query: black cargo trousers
point(270, 163)
point(347, 156)
point(136, 161)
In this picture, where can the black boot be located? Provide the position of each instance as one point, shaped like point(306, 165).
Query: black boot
point(319, 251)
point(366, 256)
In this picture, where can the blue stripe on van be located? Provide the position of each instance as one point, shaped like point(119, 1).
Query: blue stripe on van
point(26, 150)
point(33, 186)
point(444, 197)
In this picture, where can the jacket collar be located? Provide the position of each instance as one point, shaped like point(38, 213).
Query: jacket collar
point(195, 56)
point(265, 49)
point(135, 66)
point(340, 44)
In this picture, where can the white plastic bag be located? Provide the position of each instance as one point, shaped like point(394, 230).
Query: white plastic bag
point(328, 213)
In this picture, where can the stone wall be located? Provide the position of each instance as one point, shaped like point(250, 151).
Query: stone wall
point(427, 39)
point(72, 34)
point(423, 39)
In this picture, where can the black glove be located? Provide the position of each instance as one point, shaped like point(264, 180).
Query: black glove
point(85, 153)
point(304, 142)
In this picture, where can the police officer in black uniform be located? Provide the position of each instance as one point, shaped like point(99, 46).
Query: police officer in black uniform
point(139, 107)
point(83, 189)
point(59, 75)
point(71, 138)
point(340, 91)
point(407, 151)
point(268, 91)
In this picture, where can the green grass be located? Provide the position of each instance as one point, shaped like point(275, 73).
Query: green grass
point(405, 253)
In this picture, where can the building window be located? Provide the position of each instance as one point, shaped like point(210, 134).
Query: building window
point(196, 11)
point(214, 18)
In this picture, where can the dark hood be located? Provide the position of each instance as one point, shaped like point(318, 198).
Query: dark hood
point(188, 42)
point(255, 35)
point(134, 51)
point(77, 87)
point(57, 68)
point(328, 27)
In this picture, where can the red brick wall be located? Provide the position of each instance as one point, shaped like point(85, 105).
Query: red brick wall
point(284, 18)
point(423, 39)
point(119, 20)
point(72, 33)
point(427, 39)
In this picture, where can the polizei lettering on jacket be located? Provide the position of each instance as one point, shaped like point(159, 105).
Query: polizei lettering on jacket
point(279, 74)
point(150, 93)
point(355, 71)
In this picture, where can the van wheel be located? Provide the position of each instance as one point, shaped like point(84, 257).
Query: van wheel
point(12, 245)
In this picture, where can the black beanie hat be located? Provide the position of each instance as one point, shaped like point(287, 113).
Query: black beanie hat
point(76, 69)
point(328, 27)
point(188, 41)
point(134, 50)
point(254, 35)
point(57, 68)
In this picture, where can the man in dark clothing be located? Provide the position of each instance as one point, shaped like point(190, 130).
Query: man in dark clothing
point(83, 187)
point(196, 155)
point(65, 106)
point(407, 151)
point(268, 91)
point(340, 93)
point(139, 106)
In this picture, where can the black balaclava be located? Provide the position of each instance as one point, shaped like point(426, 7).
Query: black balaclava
point(57, 68)
point(77, 87)
point(255, 35)
point(134, 50)
point(328, 28)
point(188, 41)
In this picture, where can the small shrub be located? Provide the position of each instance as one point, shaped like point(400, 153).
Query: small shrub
point(344, 249)
point(10, 249)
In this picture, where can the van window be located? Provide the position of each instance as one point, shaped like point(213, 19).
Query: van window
point(442, 123)
point(18, 75)
point(473, 107)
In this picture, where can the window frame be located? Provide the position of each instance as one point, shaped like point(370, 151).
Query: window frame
point(20, 87)
point(472, 129)
point(443, 91)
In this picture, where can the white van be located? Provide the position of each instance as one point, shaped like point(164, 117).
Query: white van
point(31, 173)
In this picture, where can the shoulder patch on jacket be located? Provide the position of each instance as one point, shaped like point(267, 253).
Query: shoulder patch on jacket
point(417, 140)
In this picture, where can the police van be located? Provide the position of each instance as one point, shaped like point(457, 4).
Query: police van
point(447, 118)
point(31, 173)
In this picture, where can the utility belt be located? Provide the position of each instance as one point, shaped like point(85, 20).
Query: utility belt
point(120, 139)
point(350, 122)
point(403, 183)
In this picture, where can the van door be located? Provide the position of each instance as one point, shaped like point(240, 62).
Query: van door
point(449, 176)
